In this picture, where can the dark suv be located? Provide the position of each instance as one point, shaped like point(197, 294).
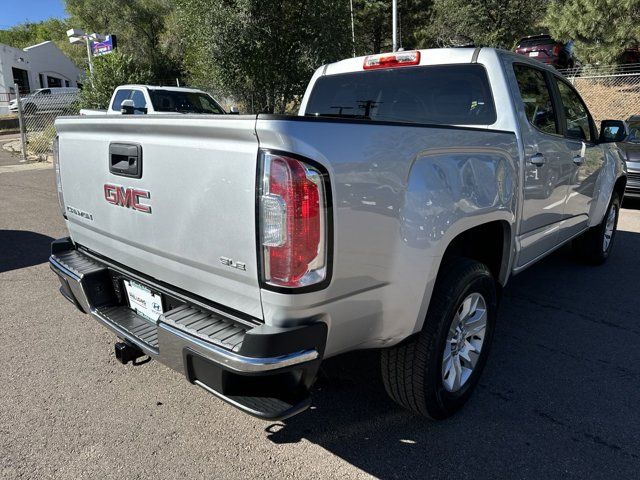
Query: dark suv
point(547, 50)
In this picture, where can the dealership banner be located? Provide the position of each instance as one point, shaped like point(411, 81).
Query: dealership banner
point(107, 46)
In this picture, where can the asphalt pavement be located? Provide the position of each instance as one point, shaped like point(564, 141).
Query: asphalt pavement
point(559, 396)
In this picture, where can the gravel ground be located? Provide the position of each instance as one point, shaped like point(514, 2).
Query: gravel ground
point(558, 399)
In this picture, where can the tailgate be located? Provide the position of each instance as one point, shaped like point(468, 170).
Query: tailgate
point(198, 178)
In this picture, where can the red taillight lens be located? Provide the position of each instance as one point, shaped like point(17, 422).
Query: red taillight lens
point(293, 220)
point(390, 60)
point(556, 50)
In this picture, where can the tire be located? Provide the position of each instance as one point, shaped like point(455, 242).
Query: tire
point(30, 109)
point(412, 371)
point(592, 246)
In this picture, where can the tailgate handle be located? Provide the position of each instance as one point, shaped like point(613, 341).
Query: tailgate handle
point(125, 159)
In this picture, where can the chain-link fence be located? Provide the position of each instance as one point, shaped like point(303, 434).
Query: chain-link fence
point(37, 113)
point(610, 92)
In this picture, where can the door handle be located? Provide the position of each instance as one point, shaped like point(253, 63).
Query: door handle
point(538, 160)
point(578, 160)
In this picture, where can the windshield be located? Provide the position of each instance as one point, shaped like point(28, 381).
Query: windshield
point(451, 94)
point(634, 132)
point(183, 102)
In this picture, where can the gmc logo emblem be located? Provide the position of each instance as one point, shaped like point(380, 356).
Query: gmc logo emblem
point(127, 197)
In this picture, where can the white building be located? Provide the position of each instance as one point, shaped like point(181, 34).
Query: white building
point(39, 66)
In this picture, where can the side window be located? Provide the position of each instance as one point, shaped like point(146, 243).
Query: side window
point(120, 96)
point(139, 102)
point(536, 98)
point(575, 113)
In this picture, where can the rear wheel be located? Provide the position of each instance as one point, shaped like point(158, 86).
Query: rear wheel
point(595, 245)
point(434, 373)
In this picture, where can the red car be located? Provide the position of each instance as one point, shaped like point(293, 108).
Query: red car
point(547, 50)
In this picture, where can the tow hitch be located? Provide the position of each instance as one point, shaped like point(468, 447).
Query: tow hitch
point(125, 353)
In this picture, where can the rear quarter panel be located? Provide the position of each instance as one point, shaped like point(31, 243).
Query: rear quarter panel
point(401, 193)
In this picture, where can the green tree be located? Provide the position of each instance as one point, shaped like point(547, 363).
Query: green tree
point(140, 26)
point(495, 23)
point(262, 52)
point(373, 24)
point(110, 71)
point(601, 29)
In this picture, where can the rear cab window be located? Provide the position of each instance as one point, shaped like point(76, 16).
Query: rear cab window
point(435, 94)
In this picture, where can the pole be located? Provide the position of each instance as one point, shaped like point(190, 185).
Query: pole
point(23, 138)
point(89, 55)
point(394, 23)
point(353, 30)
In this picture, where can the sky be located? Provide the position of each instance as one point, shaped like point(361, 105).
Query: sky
point(14, 12)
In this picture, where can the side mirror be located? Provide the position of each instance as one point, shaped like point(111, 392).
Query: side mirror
point(127, 107)
point(612, 131)
point(234, 111)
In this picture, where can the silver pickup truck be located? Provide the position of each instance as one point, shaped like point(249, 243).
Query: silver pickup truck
point(389, 214)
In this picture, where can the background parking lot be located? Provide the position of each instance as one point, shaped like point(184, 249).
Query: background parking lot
point(558, 398)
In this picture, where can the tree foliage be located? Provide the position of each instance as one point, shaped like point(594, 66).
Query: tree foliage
point(601, 29)
point(495, 23)
point(140, 26)
point(262, 52)
point(372, 19)
point(109, 71)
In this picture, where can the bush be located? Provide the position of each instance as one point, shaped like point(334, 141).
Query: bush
point(109, 72)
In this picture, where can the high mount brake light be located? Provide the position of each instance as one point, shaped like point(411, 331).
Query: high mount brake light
point(293, 222)
point(391, 60)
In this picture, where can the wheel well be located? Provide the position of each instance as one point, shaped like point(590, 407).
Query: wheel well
point(487, 243)
point(619, 187)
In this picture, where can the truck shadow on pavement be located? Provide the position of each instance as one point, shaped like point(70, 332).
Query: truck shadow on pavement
point(558, 397)
point(21, 248)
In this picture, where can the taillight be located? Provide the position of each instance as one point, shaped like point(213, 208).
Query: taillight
point(293, 222)
point(56, 166)
point(556, 50)
point(390, 60)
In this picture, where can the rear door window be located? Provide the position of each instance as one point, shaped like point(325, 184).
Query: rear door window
point(443, 94)
point(536, 98)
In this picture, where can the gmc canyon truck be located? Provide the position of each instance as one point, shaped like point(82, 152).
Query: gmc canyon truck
point(390, 213)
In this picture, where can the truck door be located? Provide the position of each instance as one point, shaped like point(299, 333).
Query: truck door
point(547, 168)
point(587, 158)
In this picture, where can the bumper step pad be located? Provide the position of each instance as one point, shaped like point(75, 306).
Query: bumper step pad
point(208, 326)
point(135, 325)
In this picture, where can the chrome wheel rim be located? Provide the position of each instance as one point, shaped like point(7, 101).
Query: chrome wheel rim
point(464, 342)
point(609, 228)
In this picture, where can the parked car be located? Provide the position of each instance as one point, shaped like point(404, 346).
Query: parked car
point(547, 50)
point(630, 145)
point(389, 214)
point(154, 100)
point(46, 100)
point(630, 55)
